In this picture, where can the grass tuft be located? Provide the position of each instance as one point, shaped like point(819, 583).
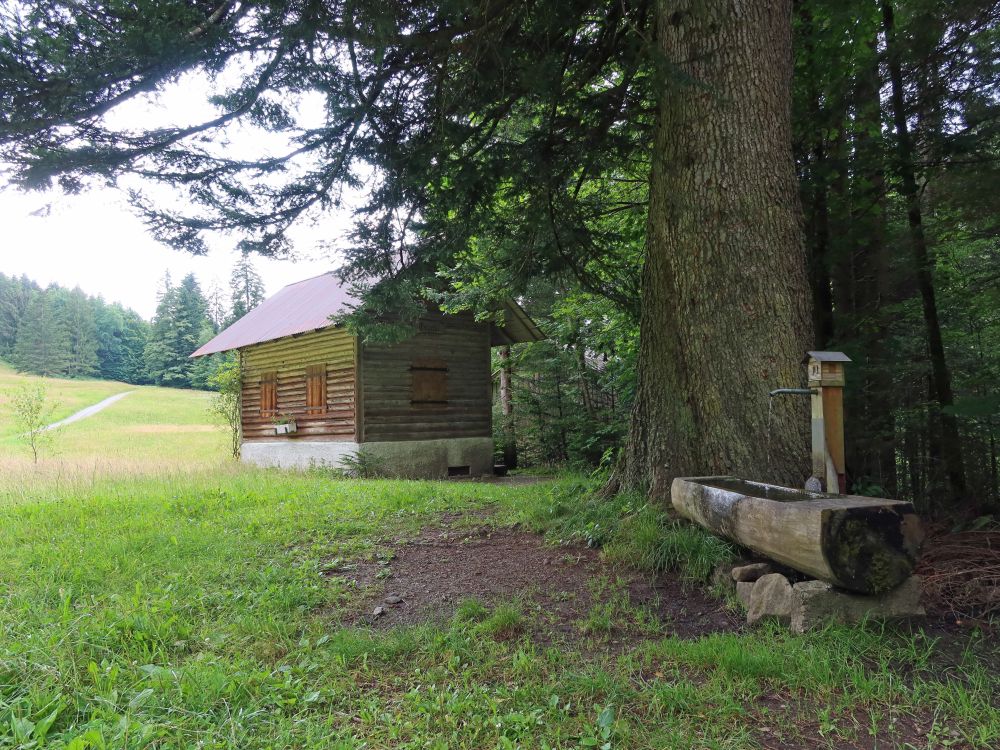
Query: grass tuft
point(630, 529)
point(504, 623)
point(471, 610)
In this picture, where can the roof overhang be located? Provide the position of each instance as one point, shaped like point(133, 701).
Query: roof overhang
point(517, 327)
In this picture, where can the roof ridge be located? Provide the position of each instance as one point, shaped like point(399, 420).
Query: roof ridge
point(310, 278)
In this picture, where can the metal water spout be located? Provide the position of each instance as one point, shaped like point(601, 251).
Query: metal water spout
point(826, 390)
point(791, 392)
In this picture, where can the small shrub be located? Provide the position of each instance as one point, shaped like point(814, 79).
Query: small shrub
point(364, 465)
point(227, 404)
point(32, 411)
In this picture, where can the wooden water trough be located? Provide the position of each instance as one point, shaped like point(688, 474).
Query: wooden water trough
point(863, 544)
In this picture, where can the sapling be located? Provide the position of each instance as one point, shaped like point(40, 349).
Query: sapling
point(32, 412)
point(226, 405)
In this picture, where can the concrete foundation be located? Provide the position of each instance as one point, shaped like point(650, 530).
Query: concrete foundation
point(417, 459)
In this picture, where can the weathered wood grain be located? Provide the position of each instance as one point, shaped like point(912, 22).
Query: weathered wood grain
point(859, 543)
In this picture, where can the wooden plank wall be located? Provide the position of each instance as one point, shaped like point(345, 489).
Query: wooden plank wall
point(387, 380)
point(290, 358)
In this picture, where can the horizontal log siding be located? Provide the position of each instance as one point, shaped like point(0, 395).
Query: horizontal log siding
point(464, 346)
point(289, 358)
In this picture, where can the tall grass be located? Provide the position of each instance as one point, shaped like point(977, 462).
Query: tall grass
point(630, 529)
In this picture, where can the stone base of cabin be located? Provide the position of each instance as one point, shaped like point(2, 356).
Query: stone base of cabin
point(417, 459)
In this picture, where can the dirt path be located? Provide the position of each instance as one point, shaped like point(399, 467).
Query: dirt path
point(88, 412)
point(566, 593)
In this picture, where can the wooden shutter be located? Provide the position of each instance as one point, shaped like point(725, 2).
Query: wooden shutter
point(269, 394)
point(429, 381)
point(316, 389)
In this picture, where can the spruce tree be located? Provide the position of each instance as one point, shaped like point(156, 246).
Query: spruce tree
point(79, 315)
point(43, 341)
point(180, 326)
point(15, 296)
point(246, 289)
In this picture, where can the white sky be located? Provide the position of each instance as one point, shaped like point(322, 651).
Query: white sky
point(95, 241)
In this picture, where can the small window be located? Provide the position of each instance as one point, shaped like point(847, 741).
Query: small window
point(269, 394)
point(316, 389)
point(429, 383)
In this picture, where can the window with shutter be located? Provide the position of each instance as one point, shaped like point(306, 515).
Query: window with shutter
point(316, 389)
point(429, 382)
point(269, 394)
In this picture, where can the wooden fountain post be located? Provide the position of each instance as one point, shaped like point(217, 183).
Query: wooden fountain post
point(826, 379)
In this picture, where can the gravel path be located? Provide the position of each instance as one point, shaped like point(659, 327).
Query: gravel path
point(88, 412)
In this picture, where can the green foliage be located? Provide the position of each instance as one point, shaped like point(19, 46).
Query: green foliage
point(228, 401)
point(506, 621)
point(43, 339)
point(64, 333)
point(517, 164)
point(363, 464)
point(246, 289)
point(631, 530)
point(860, 243)
point(32, 410)
point(180, 326)
point(651, 540)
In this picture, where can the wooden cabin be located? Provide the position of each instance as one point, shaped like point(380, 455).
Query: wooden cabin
point(313, 394)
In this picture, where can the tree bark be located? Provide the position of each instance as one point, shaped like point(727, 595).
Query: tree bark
point(507, 409)
point(951, 439)
point(725, 314)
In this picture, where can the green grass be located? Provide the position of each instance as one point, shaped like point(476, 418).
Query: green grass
point(138, 613)
point(630, 531)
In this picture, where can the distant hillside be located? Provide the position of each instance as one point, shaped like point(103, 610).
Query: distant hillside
point(152, 428)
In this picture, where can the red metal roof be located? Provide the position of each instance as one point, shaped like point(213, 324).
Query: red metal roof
point(300, 307)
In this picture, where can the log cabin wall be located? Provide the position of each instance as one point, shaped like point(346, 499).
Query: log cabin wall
point(435, 385)
point(288, 361)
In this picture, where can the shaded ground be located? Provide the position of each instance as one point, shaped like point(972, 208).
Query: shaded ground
point(564, 592)
point(571, 596)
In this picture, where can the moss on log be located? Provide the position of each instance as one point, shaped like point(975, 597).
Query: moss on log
point(863, 544)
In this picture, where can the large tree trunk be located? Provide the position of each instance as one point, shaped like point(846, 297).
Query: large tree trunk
point(951, 439)
point(725, 314)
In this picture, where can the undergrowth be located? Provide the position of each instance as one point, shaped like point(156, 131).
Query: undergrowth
point(630, 529)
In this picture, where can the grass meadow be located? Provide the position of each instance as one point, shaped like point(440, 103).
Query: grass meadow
point(152, 431)
point(155, 595)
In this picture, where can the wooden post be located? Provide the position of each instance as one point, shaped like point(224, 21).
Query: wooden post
point(826, 379)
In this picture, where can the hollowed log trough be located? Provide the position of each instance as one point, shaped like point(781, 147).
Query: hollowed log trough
point(863, 544)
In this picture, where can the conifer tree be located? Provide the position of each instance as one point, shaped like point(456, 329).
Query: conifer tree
point(180, 326)
point(246, 289)
point(43, 341)
point(78, 315)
